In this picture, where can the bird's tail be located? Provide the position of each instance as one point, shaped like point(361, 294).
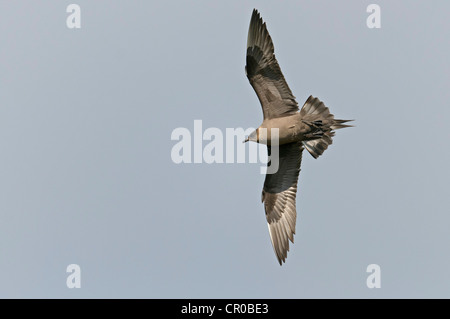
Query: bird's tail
point(322, 124)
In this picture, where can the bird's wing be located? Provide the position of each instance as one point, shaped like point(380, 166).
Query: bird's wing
point(264, 73)
point(278, 196)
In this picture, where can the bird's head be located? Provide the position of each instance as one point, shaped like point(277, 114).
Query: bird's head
point(254, 136)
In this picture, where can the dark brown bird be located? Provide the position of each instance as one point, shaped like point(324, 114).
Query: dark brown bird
point(287, 129)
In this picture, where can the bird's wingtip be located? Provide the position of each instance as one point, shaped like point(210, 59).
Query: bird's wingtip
point(255, 13)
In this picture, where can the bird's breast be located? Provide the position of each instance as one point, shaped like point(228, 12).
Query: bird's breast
point(281, 130)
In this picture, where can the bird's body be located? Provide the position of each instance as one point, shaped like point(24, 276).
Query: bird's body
point(296, 128)
point(285, 127)
point(290, 129)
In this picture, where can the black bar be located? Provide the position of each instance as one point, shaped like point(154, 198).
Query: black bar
point(223, 308)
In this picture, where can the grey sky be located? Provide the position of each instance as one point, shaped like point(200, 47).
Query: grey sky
point(86, 175)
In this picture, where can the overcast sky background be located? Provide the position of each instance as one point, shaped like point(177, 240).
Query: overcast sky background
point(86, 175)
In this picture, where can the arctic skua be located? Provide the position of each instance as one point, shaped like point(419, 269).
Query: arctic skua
point(312, 128)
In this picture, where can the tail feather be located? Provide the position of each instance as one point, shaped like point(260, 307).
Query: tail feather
point(315, 114)
point(340, 124)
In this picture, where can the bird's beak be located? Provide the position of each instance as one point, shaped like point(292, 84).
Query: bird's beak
point(246, 140)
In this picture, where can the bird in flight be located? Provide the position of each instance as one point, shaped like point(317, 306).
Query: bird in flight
point(312, 128)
